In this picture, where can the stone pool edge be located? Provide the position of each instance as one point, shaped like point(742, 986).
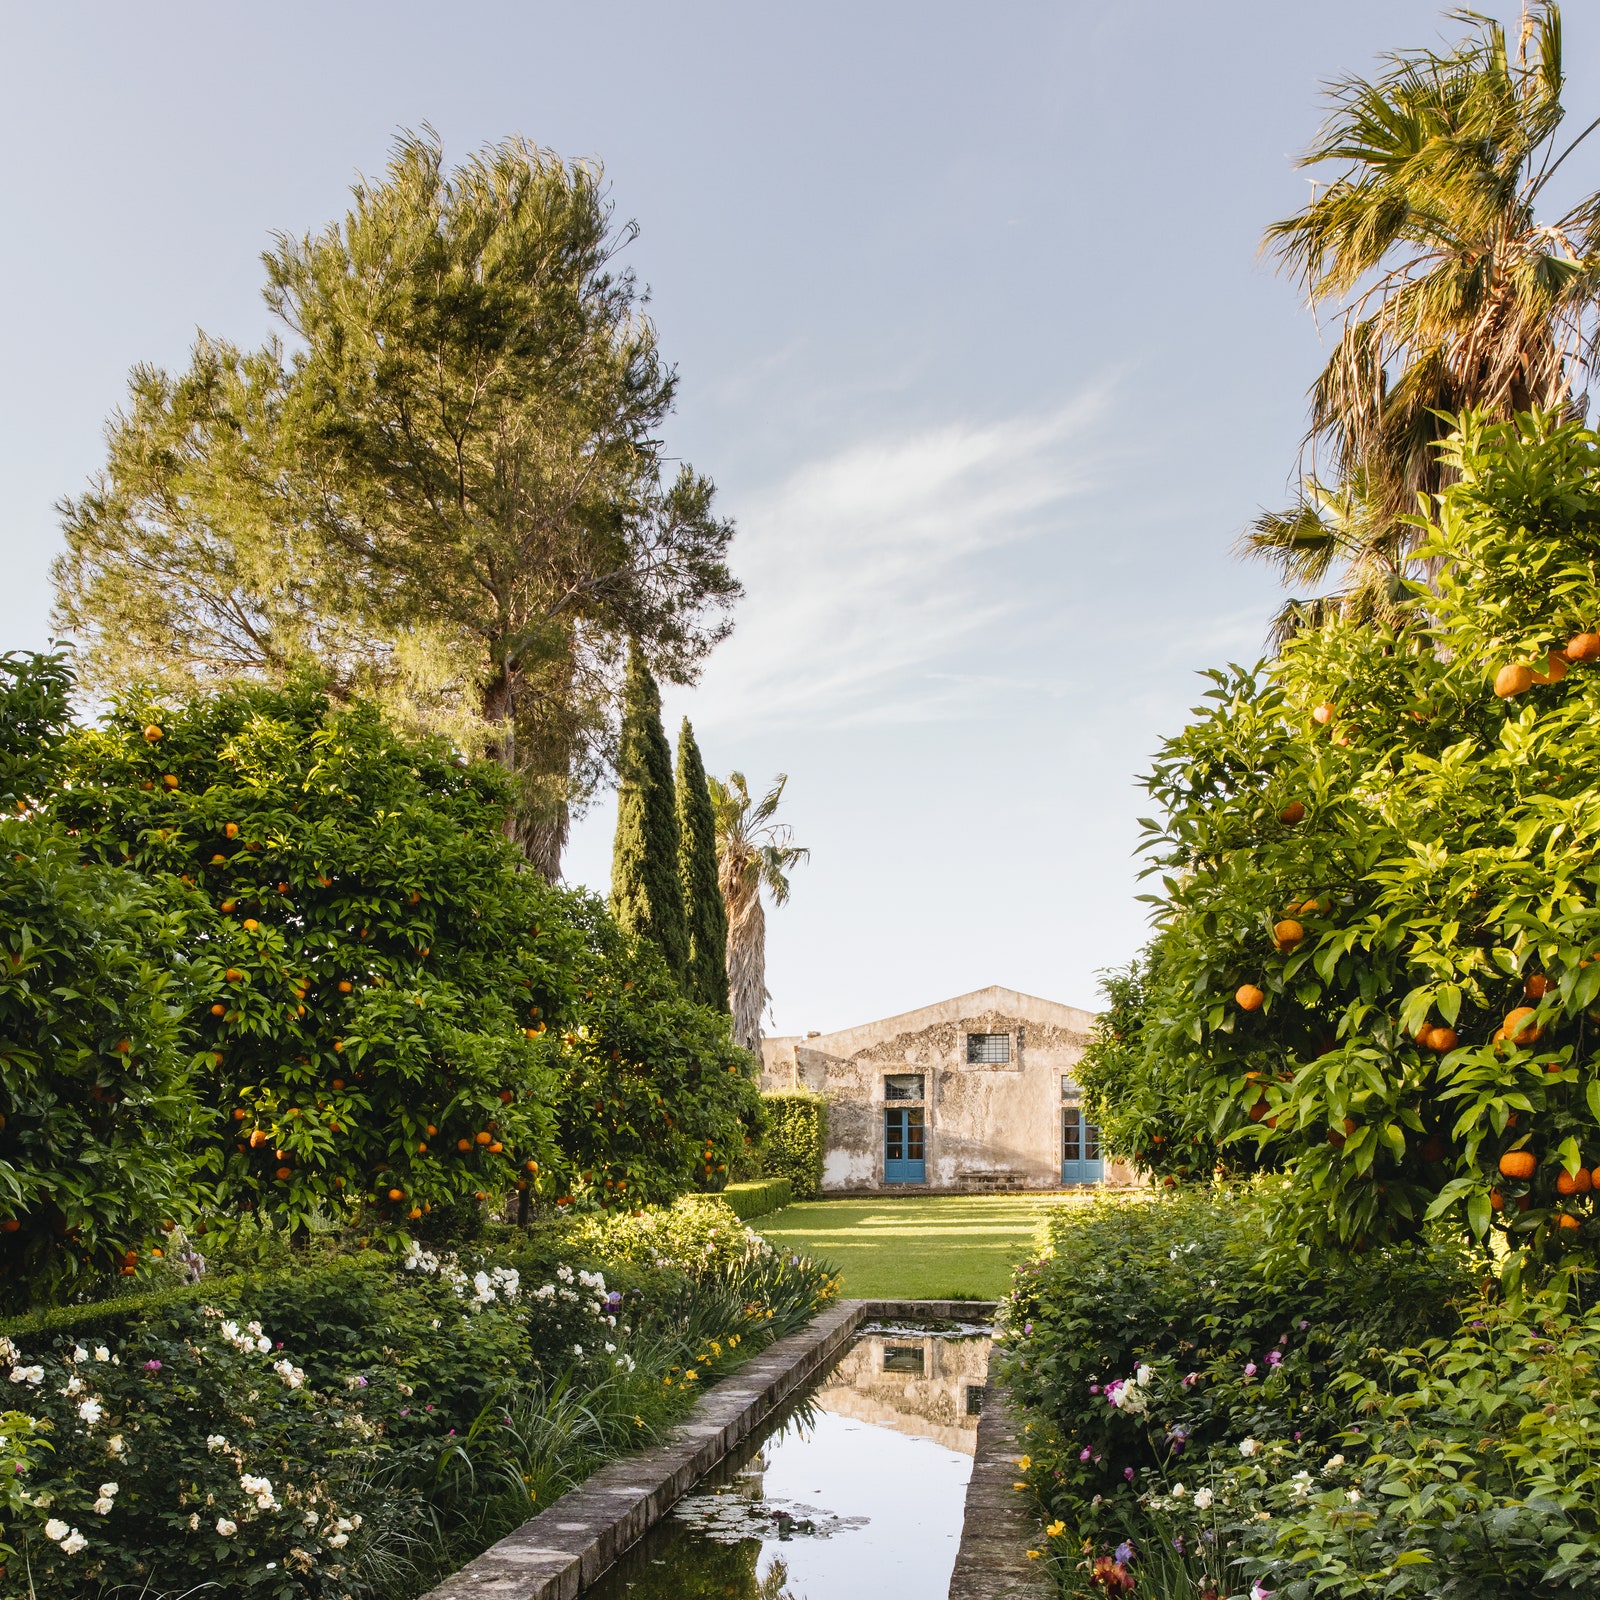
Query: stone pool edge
point(570, 1544)
point(998, 1523)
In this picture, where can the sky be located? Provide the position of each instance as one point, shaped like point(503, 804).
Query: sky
point(972, 332)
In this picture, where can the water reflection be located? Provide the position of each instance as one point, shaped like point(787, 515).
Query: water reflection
point(925, 1386)
point(857, 1495)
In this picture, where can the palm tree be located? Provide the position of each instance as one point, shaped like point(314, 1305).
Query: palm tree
point(1450, 291)
point(753, 852)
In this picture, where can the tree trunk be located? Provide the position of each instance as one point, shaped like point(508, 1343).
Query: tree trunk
point(747, 968)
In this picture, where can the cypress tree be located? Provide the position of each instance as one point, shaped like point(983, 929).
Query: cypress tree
point(704, 914)
point(646, 897)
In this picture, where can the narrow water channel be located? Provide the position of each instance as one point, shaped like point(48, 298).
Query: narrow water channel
point(856, 1493)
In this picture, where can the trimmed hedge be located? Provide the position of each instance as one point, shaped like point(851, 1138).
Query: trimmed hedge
point(797, 1133)
point(758, 1198)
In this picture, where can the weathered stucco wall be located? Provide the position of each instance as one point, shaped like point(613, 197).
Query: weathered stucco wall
point(986, 1124)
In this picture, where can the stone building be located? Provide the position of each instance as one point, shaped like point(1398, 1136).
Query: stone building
point(970, 1094)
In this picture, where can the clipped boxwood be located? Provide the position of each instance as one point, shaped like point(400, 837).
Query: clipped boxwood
point(797, 1134)
point(757, 1198)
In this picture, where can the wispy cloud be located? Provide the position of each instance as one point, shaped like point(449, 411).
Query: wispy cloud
point(866, 570)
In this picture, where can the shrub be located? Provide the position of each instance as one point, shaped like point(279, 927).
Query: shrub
point(363, 1424)
point(1433, 846)
point(1370, 1426)
point(797, 1136)
point(96, 1106)
point(368, 972)
point(699, 1235)
point(759, 1197)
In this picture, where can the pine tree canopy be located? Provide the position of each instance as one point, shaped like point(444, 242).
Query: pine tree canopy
point(704, 913)
point(646, 897)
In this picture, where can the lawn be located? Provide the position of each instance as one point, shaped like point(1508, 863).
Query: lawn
point(926, 1247)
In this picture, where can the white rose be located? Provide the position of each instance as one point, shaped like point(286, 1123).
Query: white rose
point(79, 1353)
point(1248, 1447)
point(91, 1411)
point(102, 1506)
point(108, 1490)
point(101, 1353)
point(1202, 1499)
point(226, 1528)
point(337, 1541)
point(215, 1441)
point(1178, 1491)
point(73, 1543)
point(1353, 1496)
point(55, 1530)
point(1143, 1375)
point(1334, 1463)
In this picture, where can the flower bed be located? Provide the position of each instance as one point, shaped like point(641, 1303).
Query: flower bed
point(359, 1425)
point(1200, 1420)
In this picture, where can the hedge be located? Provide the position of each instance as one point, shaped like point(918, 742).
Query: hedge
point(797, 1133)
point(758, 1198)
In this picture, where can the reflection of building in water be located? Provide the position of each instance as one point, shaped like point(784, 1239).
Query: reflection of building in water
point(924, 1386)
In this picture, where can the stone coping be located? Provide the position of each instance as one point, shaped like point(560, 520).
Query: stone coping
point(999, 1524)
point(565, 1548)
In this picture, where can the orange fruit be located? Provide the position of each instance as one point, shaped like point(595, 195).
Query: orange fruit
point(123, 1047)
point(416, 1212)
point(1518, 1164)
point(231, 830)
point(338, 1083)
point(431, 1130)
point(338, 1045)
point(1519, 1026)
point(170, 779)
point(422, 1149)
point(250, 924)
point(532, 1166)
point(1566, 1220)
point(1555, 667)
point(1441, 1039)
point(397, 1194)
point(233, 975)
point(283, 1174)
point(1292, 813)
point(1511, 680)
point(239, 1113)
point(1537, 986)
point(1497, 1200)
point(1324, 713)
point(219, 1011)
point(484, 1138)
point(152, 732)
point(229, 905)
point(1337, 1137)
point(1583, 647)
point(463, 1144)
point(1579, 1182)
point(345, 986)
point(10, 1225)
point(1287, 934)
point(1249, 997)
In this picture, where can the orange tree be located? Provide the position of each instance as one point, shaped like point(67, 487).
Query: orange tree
point(96, 1109)
point(1379, 918)
point(381, 999)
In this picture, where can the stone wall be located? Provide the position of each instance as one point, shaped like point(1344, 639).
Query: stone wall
point(987, 1126)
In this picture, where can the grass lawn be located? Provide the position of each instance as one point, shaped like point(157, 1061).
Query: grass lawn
point(925, 1247)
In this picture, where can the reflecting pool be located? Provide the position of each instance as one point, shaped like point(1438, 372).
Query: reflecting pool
point(855, 1494)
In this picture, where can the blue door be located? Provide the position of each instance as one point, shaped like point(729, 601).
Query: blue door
point(902, 1145)
point(1080, 1146)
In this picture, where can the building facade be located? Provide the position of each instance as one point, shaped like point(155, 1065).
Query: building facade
point(972, 1094)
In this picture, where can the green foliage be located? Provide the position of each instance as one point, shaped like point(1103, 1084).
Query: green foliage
point(698, 1234)
point(705, 914)
point(33, 722)
point(1447, 856)
point(759, 1197)
point(655, 1097)
point(97, 1110)
point(646, 894)
point(419, 1408)
point(453, 496)
point(1357, 1428)
point(368, 972)
point(797, 1136)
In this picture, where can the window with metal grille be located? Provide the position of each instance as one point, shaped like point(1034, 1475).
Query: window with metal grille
point(903, 1358)
point(903, 1086)
point(974, 1399)
point(988, 1049)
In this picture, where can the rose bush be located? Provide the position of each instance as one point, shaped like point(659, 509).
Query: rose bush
point(360, 1424)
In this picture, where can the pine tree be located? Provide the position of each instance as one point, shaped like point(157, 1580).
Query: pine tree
point(703, 910)
point(646, 897)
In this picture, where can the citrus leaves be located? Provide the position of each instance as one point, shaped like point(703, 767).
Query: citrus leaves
point(1439, 1002)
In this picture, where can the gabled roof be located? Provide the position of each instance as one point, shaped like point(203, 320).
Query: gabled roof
point(994, 1000)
